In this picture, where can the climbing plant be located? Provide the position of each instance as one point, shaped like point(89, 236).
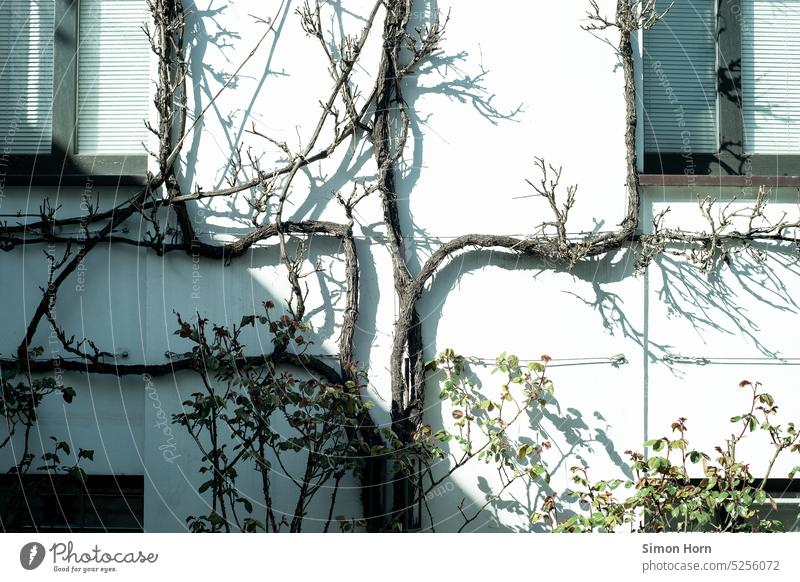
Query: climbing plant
point(230, 397)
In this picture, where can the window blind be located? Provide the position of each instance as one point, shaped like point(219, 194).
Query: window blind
point(113, 76)
point(26, 76)
point(680, 79)
point(771, 76)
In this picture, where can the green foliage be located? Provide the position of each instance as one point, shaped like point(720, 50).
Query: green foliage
point(481, 425)
point(253, 415)
point(661, 497)
point(21, 395)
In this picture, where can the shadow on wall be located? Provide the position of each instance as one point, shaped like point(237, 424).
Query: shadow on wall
point(466, 88)
point(574, 439)
point(457, 77)
point(719, 300)
point(722, 301)
point(207, 34)
point(711, 302)
point(726, 301)
point(235, 123)
point(580, 437)
point(207, 79)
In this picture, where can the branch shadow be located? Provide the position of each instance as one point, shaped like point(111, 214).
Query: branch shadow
point(573, 438)
point(203, 74)
point(463, 83)
point(716, 302)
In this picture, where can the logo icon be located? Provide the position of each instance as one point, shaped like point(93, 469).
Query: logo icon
point(31, 555)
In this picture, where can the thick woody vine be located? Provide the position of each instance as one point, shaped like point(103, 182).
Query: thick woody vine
point(381, 117)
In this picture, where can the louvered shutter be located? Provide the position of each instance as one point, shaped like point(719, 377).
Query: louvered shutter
point(26, 76)
point(680, 79)
point(771, 76)
point(113, 76)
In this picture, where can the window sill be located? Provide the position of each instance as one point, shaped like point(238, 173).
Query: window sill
point(718, 180)
point(74, 170)
point(71, 180)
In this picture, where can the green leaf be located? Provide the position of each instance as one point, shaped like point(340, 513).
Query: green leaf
point(68, 394)
point(252, 525)
point(247, 505)
point(660, 464)
point(215, 518)
point(77, 473)
point(677, 444)
point(548, 387)
point(524, 451)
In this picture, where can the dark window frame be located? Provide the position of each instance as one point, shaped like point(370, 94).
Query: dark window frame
point(64, 165)
point(775, 488)
point(730, 159)
point(59, 503)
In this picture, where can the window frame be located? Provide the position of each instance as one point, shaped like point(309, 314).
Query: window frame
point(730, 159)
point(51, 501)
point(64, 165)
point(780, 490)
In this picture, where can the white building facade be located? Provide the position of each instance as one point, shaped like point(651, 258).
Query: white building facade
point(632, 350)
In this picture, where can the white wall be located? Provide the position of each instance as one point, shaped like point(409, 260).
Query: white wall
point(513, 81)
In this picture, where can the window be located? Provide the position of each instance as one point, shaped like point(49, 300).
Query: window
point(58, 503)
point(782, 504)
point(786, 495)
point(722, 88)
point(74, 90)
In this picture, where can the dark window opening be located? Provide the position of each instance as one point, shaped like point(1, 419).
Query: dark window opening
point(57, 503)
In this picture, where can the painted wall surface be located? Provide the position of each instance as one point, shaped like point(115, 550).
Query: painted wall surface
point(513, 80)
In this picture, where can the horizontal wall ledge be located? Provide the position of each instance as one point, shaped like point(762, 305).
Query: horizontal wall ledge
point(717, 180)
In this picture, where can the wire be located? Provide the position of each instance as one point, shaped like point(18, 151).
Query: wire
point(379, 237)
point(709, 360)
point(615, 360)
